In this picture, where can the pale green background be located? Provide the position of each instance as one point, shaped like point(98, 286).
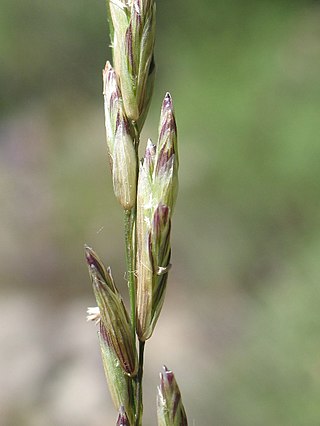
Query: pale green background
point(241, 322)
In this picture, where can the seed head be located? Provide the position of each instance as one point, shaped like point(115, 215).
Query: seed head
point(157, 192)
point(112, 104)
point(113, 314)
point(153, 267)
point(119, 141)
point(124, 169)
point(133, 35)
point(167, 161)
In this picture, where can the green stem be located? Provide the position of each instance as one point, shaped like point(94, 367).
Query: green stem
point(139, 402)
point(129, 222)
point(130, 240)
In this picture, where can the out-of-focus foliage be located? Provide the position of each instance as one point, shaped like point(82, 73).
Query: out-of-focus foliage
point(274, 377)
point(240, 319)
point(50, 48)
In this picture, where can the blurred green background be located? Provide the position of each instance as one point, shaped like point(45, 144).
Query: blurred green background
point(241, 323)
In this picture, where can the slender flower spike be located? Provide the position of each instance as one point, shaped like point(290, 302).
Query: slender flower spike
point(133, 35)
point(113, 314)
point(147, 192)
point(170, 409)
point(118, 381)
point(157, 192)
point(119, 141)
point(122, 418)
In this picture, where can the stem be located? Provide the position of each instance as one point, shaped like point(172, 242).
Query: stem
point(130, 241)
point(129, 222)
point(139, 402)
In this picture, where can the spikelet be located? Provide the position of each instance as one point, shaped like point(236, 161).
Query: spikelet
point(157, 192)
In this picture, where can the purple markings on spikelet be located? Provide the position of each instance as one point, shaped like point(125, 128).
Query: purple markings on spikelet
point(171, 397)
point(122, 418)
point(109, 79)
point(169, 376)
point(167, 131)
point(121, 121)
point(109, 340)
point(113, 98)
point(136, 15)
point(110, 72)
point(149, 155)
point(168, 125)
point(160, 218)
point(118, 122)
point(94, 262)
point(129, 48)
point(104, 334)
point(137, 6)
point(165, 160)
point(167, 103)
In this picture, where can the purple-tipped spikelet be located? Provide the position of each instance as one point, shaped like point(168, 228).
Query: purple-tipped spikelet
point(112, 104)
point(123, 159)
point(122, 418)
point(167, 159)
point(168, 128)
point(170, 409)
point(157, 192)
point(113, 314)
point(154, 258)
point(133, 35)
